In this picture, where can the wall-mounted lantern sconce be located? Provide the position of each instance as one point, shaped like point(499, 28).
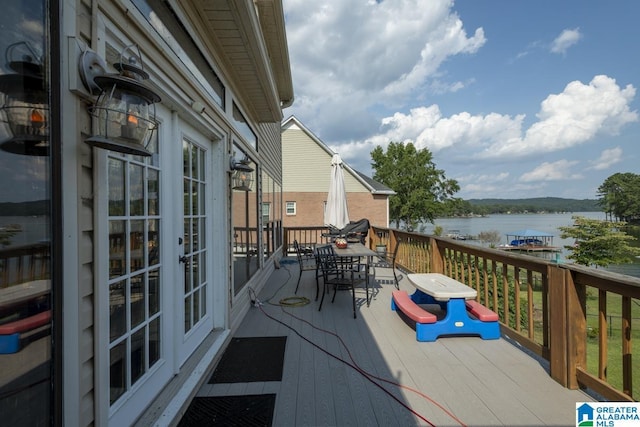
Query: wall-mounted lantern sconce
point(242, 174)
point(124, 115)
point(25, 107)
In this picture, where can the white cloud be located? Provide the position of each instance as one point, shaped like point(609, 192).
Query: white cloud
point(565, 40)
point(607, 159)
point(475, 183)
point(349, 52)
point(554, 171)
point(565, 120)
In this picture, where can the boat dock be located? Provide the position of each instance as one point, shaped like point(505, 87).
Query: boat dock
point(529, 241)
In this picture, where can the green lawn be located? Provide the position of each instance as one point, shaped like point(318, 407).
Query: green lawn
point(614, 319)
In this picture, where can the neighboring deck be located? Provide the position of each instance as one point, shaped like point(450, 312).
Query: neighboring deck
point(530, 248)
point(482, 383)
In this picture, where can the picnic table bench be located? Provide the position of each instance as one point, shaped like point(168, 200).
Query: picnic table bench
point(464, 315)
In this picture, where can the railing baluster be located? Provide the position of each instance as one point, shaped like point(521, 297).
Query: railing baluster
point(602, 335)
point(530, 306)
point(626, 347)
point(516, 289)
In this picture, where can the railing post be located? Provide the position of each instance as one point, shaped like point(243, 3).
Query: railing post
point(557, 324)
point(437, 256)
point(285, 244)
point(576, 328)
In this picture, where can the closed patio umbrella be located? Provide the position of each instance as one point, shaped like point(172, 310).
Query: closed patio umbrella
point(336, 212)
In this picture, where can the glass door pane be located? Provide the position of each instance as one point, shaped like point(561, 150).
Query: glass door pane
point(133, 186)
point(195, 249)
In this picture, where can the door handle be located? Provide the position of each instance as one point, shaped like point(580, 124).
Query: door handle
point(183, 259)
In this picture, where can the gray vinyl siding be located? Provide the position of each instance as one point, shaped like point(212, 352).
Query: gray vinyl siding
point(270, 149)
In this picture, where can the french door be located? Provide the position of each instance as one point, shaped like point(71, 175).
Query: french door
point(195, 254)
point(137, 357)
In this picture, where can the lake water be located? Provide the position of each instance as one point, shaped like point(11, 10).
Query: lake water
point(33, 229)
point(506, 224)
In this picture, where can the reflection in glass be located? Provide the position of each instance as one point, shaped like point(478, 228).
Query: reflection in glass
point(154, 341)
point(153, 193)
point(138, 356)
point(136, 190)
point(195, 234)
point(187, 236)
point(203, 266)
point(116, 187)
point(187, 197)
point(203, 299)
point(134, 269)
point(137, 300)
point(154, 292)
point(24, 107)
point(117, 248)
point(136, 245)
point(195, 198)
point(194, 162)
point(195, 276)
point(26, 253)
point(153, 239)
point(117, 371)
point(196, 305)
point(186, 159)
point(187, 277)
point(194, 209)
point(117, 310)
point(245, 231)
point(203, 234)
point(187, 313)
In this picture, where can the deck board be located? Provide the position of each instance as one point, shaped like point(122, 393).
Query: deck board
point(482, 382)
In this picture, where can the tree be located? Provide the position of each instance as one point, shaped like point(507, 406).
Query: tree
point(599, 243)
point(619, 195)
point(422, 191)
point(7, 232)
point(492, 237)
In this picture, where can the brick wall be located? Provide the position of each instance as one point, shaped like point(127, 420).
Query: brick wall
point(310, 208)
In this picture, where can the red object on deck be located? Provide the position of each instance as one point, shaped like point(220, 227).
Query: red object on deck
point(411, 309)
point(480, 311)
point(26, 324)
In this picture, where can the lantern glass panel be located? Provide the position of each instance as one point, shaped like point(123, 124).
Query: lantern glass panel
point(122, 114)
point(26, 119)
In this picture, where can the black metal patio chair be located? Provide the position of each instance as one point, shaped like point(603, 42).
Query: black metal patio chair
point(307, 261)
point(389, 260)
point(343, 273)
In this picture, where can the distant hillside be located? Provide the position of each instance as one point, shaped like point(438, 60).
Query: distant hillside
point(546, 204)
point(37, 207)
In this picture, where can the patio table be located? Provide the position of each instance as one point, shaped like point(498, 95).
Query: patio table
point(356, 250)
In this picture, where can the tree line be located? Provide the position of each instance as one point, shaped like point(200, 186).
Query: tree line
point(620, 197)
point(534, 205)
point(424, 193)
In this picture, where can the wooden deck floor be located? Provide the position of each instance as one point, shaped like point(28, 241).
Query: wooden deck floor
point(480, 383)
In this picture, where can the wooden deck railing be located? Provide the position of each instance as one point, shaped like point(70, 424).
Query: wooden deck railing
point(24, 264)
point(307, 237)
point(561, 312)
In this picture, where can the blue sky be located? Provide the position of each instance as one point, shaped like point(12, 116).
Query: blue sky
point(515, 99)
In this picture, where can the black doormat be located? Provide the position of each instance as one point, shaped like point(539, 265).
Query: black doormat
point(250, 360)
point(248, 410)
